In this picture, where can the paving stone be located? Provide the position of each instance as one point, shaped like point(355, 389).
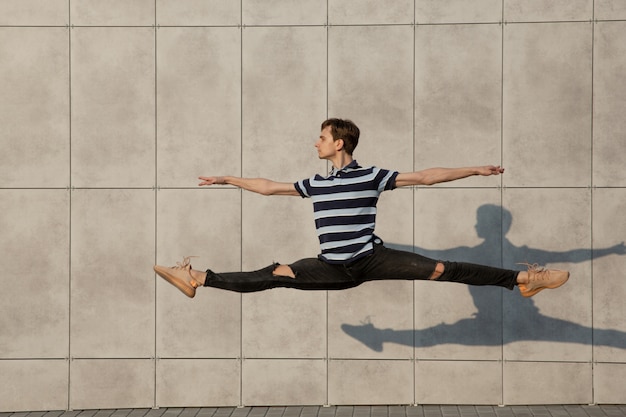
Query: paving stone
point(617, 410)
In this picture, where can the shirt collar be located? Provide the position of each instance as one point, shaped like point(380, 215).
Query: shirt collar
point(352, 165)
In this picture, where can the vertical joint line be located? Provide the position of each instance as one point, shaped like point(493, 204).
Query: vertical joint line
point(502, 200)
point(69, 324)
point(327, 390)
point(591, 197)
point(241, 26)
point(414, 353)
point(156, 201)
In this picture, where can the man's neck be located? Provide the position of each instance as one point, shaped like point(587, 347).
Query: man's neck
point(340, 160)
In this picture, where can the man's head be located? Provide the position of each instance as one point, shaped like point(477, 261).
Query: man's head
point(345, 130)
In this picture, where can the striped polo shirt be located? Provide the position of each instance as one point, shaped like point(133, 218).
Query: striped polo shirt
point(344, 205)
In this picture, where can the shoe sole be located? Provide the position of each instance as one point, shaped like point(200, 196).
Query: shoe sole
point(175, 281)
point(551, 287)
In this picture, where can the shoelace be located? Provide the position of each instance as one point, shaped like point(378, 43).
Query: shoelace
point(540, 273)
point(186, 264)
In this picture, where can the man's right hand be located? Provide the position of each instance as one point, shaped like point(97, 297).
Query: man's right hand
point(211, 181)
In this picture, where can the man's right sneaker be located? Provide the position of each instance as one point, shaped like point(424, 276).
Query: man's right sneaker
point(179, 276)
point(541, 278)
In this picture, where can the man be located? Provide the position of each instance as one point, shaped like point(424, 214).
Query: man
point(344, 204)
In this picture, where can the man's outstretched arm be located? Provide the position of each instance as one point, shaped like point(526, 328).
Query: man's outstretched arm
point(256, 185)
point(433, 176)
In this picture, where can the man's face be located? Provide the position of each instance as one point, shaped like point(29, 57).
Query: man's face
point(326, 146)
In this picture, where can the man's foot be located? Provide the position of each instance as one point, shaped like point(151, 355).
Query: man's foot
point(542, 278)
point(179, 276)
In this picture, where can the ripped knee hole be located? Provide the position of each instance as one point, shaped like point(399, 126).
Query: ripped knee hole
point(284, 270)
point(439, 268)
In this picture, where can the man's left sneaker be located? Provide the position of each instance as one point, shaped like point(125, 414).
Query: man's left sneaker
point(542, 278)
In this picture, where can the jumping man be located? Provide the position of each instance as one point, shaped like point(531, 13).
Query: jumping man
point(344, 204)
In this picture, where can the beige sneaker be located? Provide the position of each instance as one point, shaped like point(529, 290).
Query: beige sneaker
point(179, 276)
point(541, 278)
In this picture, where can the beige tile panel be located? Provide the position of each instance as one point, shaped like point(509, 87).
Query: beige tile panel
point(34, 253)
point(112, 286)
point(609, 264)
point(370, 79)
point(555, 234)
point(609, 142)
point(206, 327)
point(470, 330)
point(198, 104)
point(608, 383)
point(281, 12)
point(113, 120)
point(203, 223)
point(370, 382)
point(547, 104)
point(276, 229)
point(198, 12)
point(33, 385)
point(610, 9)
point(532, 383)
point(557, 231)
point(111, 383)
point(34, 12)
point(547, 10)
point(284, 101)
point(112, 12)
point(355, 12)
point(284, 382)
point(34, 110)
point(372, 321)
point(198, 383)
point(207, 224)
point(460, 225)
point(458, 382)
point(284, 323)
point(458, 11)
point(532, 331)
point(458, 98)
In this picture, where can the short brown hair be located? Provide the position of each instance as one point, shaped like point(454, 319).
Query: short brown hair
point(345, 130)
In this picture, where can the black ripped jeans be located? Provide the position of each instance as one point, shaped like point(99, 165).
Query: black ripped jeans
point(383, 264)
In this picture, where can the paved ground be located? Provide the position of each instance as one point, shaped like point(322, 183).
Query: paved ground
point(344, 411)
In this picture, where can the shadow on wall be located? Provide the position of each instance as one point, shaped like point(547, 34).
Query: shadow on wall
point(490, 218)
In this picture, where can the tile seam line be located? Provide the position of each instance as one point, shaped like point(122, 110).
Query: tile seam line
point(158, 25)
point(516, 187)
point(413, 208)
point(326, 32)
point(502, 183)
point(68, 398)
point(156, 201)
point(591, 205)
point(506, 22)
point(34, 26)
point(241, 159)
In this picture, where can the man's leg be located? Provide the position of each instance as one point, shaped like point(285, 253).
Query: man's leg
point(474, 274)
point(388, 263)
point(305, 274)
point(393, 264)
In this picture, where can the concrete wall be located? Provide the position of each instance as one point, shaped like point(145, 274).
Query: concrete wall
point(110, 109)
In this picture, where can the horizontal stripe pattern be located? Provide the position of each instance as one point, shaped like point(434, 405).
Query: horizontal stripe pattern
point(344, 205)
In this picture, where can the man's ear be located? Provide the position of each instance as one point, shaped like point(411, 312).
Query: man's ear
point(339, 144)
